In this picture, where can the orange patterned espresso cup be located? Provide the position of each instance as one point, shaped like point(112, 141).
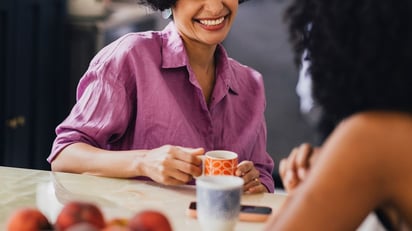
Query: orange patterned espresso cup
point(220, 162)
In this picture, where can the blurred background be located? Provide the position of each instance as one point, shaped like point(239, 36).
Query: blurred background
point(46, 45)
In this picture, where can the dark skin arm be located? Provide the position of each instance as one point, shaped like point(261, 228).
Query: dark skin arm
point(345, 184)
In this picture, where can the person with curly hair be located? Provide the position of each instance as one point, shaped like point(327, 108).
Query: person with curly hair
point(360, 53)
point(151, 102)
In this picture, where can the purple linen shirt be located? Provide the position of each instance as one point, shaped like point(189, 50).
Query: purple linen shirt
point(140, 92)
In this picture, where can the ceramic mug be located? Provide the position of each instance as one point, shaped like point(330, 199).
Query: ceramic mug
point(218, 202)
point(219, 162)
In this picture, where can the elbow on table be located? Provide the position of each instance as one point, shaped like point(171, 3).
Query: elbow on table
point(57, 164)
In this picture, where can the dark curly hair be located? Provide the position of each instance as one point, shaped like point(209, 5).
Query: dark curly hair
point(360, 53)
point(163, 4)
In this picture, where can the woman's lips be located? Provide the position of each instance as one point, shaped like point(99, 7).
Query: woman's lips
point(212, 24)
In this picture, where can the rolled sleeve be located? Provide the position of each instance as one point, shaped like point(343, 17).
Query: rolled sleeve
point(100, 115)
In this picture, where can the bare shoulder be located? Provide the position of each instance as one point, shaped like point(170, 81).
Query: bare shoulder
point(381, 142)
point(381, 119)
point(385, 132)
point(383, 136)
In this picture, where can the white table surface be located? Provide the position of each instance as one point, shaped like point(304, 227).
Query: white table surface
point(117, 198)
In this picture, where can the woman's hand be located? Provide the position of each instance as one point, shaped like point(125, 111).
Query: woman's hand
point(296, 166)
point(172, 165)
point(250, 175)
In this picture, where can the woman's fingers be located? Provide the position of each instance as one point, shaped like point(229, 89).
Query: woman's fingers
point(285, 164)
point(244, 167)
point(250, 175)
point(294, 168)
point(186, 159)
point(256, 188)
point(177, 165)
point(189, 155)
point(303, 160)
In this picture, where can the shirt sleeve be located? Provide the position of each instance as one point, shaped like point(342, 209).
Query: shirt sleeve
point(101, 114)
point(262, 160)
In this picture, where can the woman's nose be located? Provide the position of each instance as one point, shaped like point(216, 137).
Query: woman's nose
point(215, 7)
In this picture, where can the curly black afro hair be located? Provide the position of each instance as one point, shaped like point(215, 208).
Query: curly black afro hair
point(360, 53)
point(163, 4)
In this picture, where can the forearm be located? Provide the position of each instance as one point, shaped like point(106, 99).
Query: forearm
point(84, 158)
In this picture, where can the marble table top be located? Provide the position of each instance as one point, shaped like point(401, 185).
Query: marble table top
point(117, 198)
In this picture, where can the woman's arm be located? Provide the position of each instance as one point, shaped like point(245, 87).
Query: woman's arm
point(167, 164)
point(343, 186)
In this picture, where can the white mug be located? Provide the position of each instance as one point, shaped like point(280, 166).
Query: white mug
point(218, 202)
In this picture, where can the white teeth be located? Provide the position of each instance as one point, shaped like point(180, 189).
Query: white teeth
point(212, 22)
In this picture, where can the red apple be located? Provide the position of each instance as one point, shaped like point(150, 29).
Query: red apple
point(116, 228)
point(79, 212)
point(28, 219)
point(149, 220)
point(117, 224)
point(83, 226)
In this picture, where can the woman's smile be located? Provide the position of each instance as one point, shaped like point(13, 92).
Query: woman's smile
point(212, 24)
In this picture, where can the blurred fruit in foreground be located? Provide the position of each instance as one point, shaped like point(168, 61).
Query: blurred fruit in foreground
point(117, 224)
point(84, 216)
point(79, 212)
point(116, 228)
point(149, 220)
point(28, 219)
point(82, 227)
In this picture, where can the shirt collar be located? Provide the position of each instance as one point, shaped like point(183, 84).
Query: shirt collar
point(174, 55)
point(173, 51)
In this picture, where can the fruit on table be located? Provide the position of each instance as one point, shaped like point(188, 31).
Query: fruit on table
point(79, 212)
point(84, 216)
point(82, 227)
point(117, 224)
point(116, 228)
point(149, 220)
point(28, 219)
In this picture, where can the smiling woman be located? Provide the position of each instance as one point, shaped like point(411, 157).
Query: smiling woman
point(152, 102)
